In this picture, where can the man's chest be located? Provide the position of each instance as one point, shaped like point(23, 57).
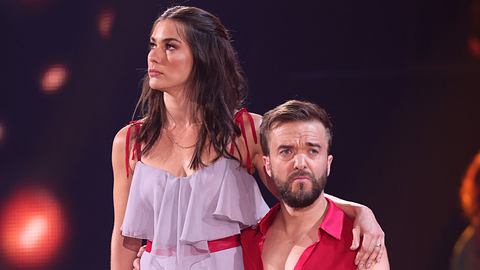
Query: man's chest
point(281, 256)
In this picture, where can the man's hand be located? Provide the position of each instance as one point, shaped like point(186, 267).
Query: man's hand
point(136, 262)
point(367, 231)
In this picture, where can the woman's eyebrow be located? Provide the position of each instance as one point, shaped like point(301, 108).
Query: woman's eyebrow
point(166, 39)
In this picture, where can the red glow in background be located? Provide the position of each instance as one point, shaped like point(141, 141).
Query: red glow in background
point(35, 229)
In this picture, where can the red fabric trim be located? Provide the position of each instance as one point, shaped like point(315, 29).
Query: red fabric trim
point(127, 150)
point(136, 146)
point(137, 153)
point(213, 245)
point(239, 120)
point(224, 243)
point(252, 126)
point(248, 164)
point(149, 246)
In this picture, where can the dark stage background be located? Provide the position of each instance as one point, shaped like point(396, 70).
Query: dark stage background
point(397, 77)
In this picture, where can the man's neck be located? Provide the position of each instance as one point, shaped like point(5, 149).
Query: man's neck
point(298, 220)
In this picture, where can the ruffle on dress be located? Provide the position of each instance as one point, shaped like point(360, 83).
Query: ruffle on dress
point(180, 214)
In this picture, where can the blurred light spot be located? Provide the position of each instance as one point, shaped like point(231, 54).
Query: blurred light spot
point(54, 78)
point(33, 228)
point(33, 232)
point(474, 46)
point(106, 18)
point(470, 190)
point(2, 132)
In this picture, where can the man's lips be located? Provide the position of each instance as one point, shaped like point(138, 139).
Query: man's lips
point(301, 179)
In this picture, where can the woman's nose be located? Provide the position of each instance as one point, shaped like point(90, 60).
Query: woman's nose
point(155, 56)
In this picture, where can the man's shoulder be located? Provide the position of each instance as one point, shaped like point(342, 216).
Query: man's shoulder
point(333, 251)
point(338, 224)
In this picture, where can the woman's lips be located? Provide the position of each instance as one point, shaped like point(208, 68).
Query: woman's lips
point(154, 73)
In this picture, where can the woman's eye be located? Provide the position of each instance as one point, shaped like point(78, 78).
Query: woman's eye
point(152, 45)
point(169, 47)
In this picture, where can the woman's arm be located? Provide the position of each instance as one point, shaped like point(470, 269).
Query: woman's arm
point(366, 228)
point(382, 263)
point(366, 231)
point(121, 257)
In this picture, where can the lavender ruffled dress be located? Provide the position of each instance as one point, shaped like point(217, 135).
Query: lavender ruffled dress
point(180, 214)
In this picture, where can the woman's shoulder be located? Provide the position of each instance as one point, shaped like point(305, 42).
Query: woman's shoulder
point(257, 118)
point(124, 137)
point(121, 137)
point(125, 148)
point(243, 116)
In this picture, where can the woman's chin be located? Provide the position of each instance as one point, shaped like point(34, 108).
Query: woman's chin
point(156, 87)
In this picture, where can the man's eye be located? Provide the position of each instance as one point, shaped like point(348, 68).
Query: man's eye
point(314, 151)
point(285, 152)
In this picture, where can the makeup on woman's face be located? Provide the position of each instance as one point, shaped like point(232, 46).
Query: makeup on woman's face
point(170, 59)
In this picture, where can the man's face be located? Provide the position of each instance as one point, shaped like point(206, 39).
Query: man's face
point(299, 162)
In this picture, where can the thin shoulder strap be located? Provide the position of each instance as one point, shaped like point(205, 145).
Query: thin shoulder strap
point(239, 120)
point(136, 146)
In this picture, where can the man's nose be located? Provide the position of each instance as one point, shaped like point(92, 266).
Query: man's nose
point(299, 162)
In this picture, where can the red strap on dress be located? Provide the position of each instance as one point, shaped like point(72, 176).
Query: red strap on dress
point(213, 245)
point(136, 146)
point(239, 120)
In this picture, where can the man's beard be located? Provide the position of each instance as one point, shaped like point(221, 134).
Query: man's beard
point(301, 197)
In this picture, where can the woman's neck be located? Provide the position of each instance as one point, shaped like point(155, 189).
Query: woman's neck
point(179, 111)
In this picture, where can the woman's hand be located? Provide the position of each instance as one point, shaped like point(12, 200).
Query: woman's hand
point(368, 233)
point(136, 262)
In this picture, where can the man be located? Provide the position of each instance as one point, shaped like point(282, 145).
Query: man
point(304, 230)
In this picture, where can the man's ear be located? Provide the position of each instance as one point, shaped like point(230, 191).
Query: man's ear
point(268, 166)
point(329, 163)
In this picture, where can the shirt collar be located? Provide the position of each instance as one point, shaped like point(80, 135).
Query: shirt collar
point(268, 219)
point(332, 222)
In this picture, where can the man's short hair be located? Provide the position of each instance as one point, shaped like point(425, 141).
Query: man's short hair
point(292, 111)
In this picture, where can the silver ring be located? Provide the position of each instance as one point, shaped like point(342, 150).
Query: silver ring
point(378, 245)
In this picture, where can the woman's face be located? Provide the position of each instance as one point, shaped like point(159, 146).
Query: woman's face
point(170, 58)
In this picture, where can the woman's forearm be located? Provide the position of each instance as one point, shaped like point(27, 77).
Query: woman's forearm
point(352, 209)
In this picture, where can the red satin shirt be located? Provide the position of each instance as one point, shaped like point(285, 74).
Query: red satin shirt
point(330, 252)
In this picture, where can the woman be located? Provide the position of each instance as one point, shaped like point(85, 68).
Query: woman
point(184, 168)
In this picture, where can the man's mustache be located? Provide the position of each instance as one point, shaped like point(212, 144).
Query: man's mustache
point(300, 173)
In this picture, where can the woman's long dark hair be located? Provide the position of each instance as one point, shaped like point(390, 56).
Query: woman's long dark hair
point(217, 86)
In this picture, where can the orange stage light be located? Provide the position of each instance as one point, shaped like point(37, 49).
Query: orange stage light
point(33, 228)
